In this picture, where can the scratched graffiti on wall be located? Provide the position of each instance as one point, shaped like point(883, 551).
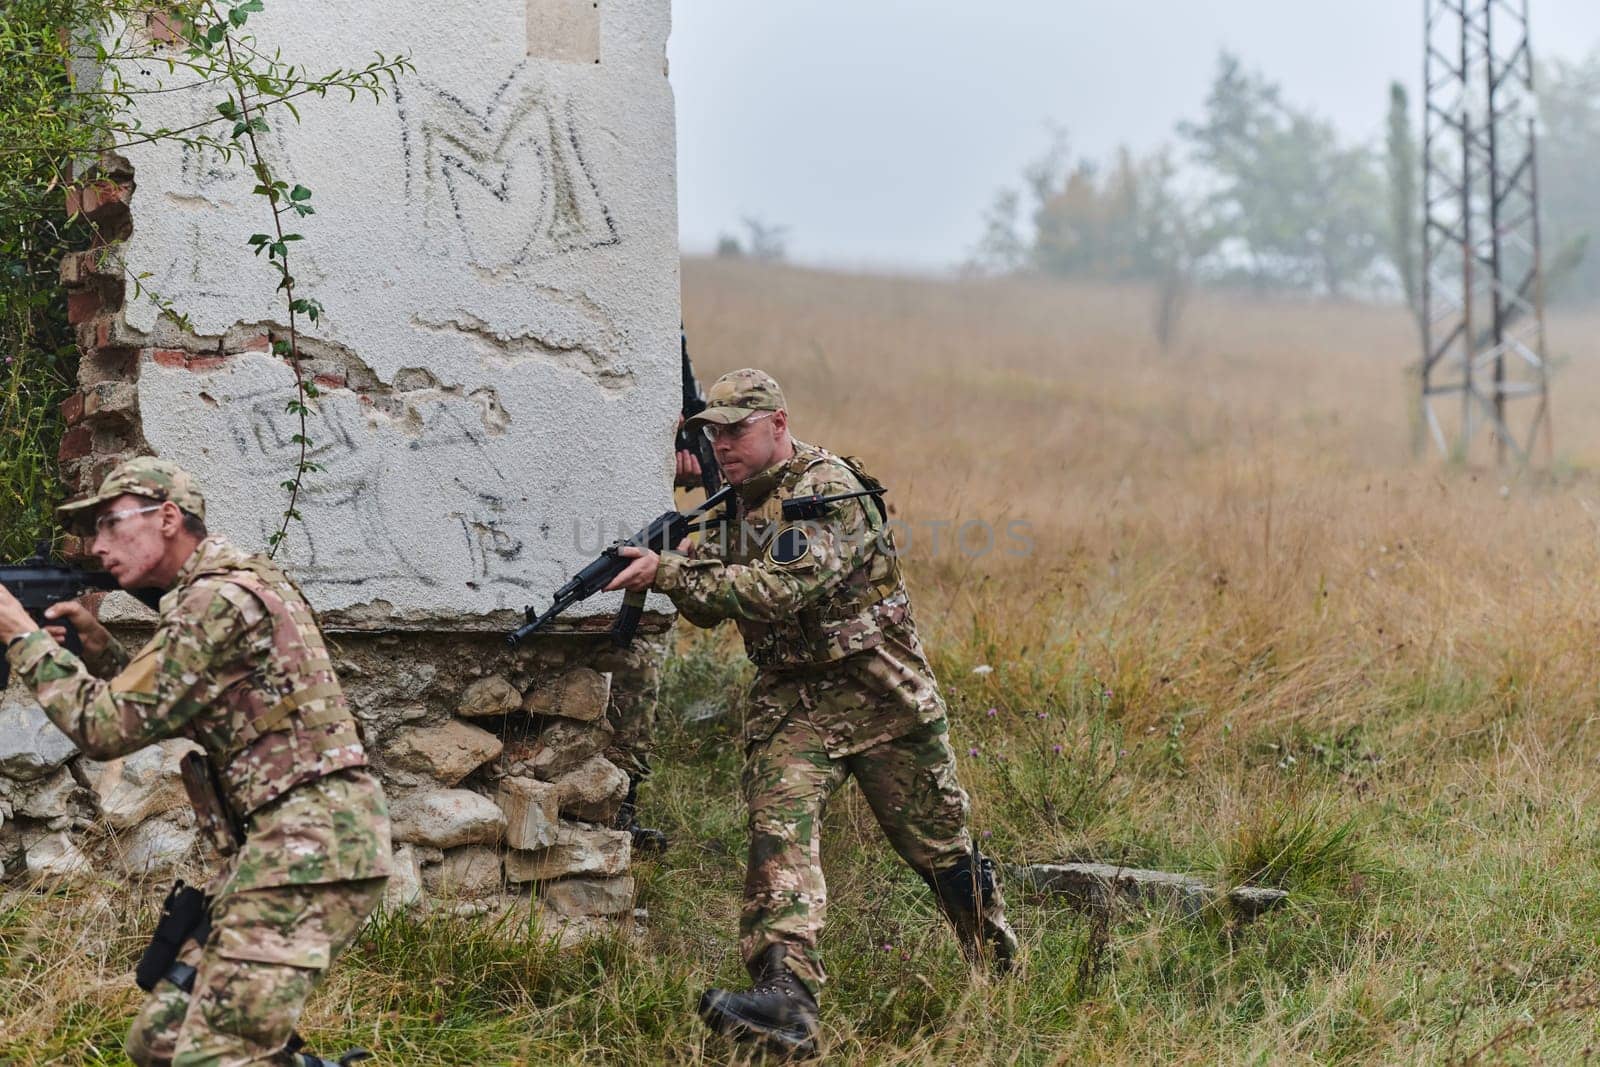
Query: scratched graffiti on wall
point(207, 183)
point(503, 184)
point(429, 482)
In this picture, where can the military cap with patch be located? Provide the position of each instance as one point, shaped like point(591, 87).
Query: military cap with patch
point(149, 476)
point(738, 395)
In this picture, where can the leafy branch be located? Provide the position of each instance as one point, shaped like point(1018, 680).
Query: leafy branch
point(269, 87)
point(206, 46)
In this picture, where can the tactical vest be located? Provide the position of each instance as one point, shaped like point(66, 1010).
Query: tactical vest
point(856, 614)
point(284, 719)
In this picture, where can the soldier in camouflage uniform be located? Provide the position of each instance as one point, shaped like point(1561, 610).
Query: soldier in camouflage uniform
point(843, 690)
point(635, 692)
point(238, 665)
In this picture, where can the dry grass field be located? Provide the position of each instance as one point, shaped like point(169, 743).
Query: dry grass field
point(1254, 637)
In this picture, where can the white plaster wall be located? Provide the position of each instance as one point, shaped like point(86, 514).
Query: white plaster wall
point(497, 241)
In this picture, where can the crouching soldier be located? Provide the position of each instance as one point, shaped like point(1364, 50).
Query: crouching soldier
point(842, 690)
point(238, 665)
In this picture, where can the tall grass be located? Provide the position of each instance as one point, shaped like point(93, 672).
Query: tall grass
point(1255, 640)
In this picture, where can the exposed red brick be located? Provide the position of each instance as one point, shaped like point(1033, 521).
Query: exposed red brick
point(98, 198)
point(178, 358)
point(164, 27)
point(94, 335)
point(76, 443)
point(330, 381)
point(261, 343)
point(72, 409)
point(83, 305)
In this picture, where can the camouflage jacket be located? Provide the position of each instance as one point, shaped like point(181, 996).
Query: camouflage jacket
point(237, 664)
point(820, 600)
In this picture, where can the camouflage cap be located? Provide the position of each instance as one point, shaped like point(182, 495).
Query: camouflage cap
point(159, 479)
point(737, 395)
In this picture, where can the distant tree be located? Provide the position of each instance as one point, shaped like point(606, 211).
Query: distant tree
point(1124, 225)
point(1405, 225)
point(728, 247)
point(765, 242)
point(1296, 208)
point(1002, 248)
point(1569, 144)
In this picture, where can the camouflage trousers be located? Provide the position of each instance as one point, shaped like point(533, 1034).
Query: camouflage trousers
point(910, 784)
point(267, 951)
point(635, 689)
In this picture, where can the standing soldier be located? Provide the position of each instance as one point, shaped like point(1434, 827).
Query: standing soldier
point(238, 665)
point(843, 689)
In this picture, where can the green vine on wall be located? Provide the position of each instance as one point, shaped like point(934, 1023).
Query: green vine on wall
point(199, 44)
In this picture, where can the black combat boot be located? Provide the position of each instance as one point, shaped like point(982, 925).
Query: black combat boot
point(299, 1057)
point(647, 840)
point(778, 1011)
point(969, 896)
point(308, 1059)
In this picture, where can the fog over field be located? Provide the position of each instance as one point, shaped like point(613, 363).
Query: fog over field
point(878, 131)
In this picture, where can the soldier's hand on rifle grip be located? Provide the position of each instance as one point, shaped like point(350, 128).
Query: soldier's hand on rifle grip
point(14, 621)
point(95, 637)
point(686, 475)
point(639, 575)
point(686, 465)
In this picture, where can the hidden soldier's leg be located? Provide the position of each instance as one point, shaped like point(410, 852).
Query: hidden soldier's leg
point(267, 951)
point(635, 693)
point(911, 786)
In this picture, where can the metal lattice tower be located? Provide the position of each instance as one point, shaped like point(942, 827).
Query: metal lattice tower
point(1484, 367)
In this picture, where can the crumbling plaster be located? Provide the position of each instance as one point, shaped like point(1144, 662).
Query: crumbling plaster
point(496, 246)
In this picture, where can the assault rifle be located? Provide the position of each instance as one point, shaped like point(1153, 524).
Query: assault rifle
point(38, 583)
point(694, 402)
point(811, 508)
point(664, 533)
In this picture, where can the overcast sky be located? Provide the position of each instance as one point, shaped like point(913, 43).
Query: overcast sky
point(878, 130)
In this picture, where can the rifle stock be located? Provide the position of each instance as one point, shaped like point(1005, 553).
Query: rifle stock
point(694, 402)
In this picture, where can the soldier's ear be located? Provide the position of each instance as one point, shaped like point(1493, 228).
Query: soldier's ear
point(171, 519)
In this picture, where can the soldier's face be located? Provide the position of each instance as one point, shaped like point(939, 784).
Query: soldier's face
point(131, 539)
point(747, 448)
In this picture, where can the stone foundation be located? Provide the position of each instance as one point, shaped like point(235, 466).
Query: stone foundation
point(494, 763)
